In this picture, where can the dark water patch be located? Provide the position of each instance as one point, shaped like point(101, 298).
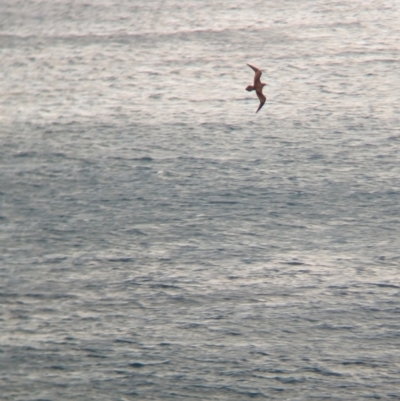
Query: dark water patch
point(223, 202)
point(349, 363)
point(183, 300)
point(124, 341)
point(55, 260)
point(252, 394)
point(338, 287)
point(162, 285)
point(277, 389)
point(234, 333)
point(327, 326)
point(245, 392)
point(290, 379)
point(25, 154)
point(145, 159)
point(384, 285)
point(135, 231)
point(134, 282)
point(97, 356)
point(122, 259)
point(294, 263)
point(9, 295)
point(90, 318)
point(46, 295)
point(192, 325)
point(122, 372)
point(139, 365)
point(40, 399)
point(263, 353)
point(321, 371)
point(57, 367)
point(59, 154)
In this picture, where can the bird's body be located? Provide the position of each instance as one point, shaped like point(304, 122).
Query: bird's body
point(257, 86)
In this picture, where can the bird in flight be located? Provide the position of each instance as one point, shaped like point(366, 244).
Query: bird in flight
point(257, 86)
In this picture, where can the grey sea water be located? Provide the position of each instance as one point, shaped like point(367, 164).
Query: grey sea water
point(161, 241)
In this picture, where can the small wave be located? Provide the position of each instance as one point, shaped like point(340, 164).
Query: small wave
point(123, 341)
point(143, 159)
point(57, 367)
point(322, 371)
point(25, 154)
point(294, 263)
point(384, 285)
point(161, 285)
point(290, 379)
point(122, 259)
point(138, 364)
point(347, 363)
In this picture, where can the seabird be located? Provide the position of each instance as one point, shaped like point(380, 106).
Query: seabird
point(258, 86)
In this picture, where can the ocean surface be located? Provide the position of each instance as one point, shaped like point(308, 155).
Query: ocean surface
point(161, 241)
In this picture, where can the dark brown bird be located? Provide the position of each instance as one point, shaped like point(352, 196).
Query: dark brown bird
point(257, 86)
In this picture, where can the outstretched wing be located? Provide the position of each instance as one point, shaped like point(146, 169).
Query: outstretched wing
point(255, 69)
point(257, 75)
point(262, 99)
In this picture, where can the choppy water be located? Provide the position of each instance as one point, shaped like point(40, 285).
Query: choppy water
point(159, 240)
